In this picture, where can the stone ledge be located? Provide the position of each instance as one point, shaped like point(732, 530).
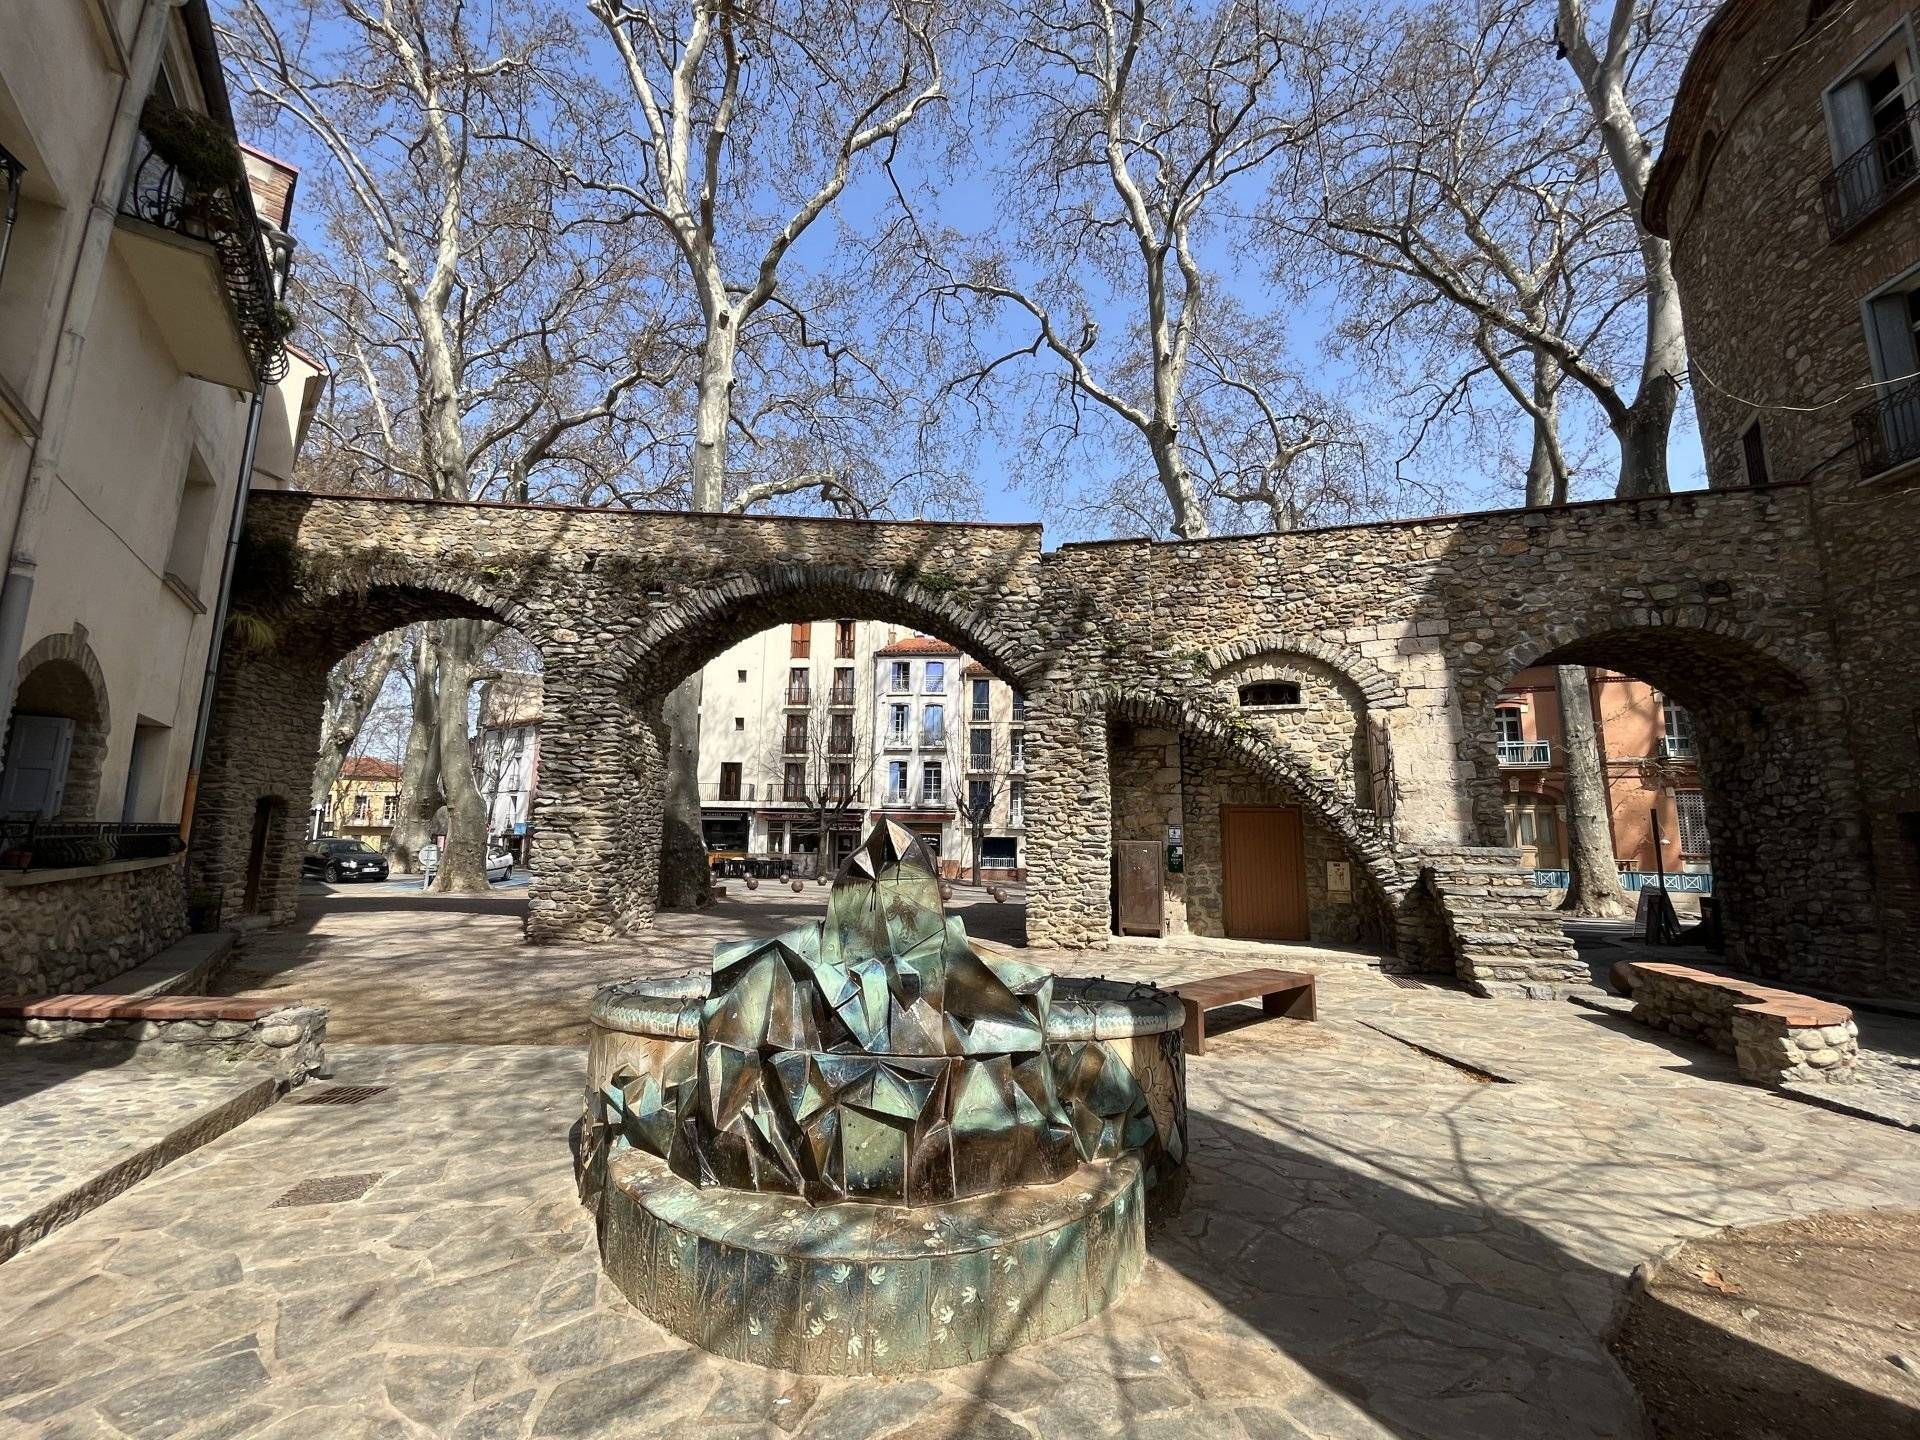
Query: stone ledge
point(1775, 1036)
point(128, 1007)
point(21, 879)
point(287, 1037)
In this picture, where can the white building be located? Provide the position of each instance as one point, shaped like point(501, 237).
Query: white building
point(507, 757)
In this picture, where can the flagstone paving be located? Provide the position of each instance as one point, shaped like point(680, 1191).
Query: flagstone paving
point(1375, 1243)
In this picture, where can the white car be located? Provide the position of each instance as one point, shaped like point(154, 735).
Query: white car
point(499, 862)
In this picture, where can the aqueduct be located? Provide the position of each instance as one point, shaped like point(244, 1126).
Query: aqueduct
point(1131, 654)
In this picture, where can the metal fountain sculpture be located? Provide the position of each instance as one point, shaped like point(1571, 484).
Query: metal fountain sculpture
point(866, 1146)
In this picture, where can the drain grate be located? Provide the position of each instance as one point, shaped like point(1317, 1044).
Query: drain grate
point(1406, 982)
point(342, 1095)
point(327, 1190)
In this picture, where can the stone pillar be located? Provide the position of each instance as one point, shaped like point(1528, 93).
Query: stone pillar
point(597, 809)
point(1069, 809)
point(261, 743)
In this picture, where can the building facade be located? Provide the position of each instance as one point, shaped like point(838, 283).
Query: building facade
point(1648, 757)
point(364, 801)
point(1789, 189)
point(506, 758)
point(139, 321)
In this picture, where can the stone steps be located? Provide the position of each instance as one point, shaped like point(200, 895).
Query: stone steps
point(1504, 939)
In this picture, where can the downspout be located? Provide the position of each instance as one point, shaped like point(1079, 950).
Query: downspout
point(16, 592)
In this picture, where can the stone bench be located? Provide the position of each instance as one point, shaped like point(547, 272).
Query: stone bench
point(1775, 1036)
point(287, 1036)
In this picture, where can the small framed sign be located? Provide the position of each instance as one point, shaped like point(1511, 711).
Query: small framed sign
point(1173, 835)
point(1340, 877)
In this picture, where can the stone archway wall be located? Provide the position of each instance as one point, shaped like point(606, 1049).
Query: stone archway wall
point(1425, 619)
point(60, 675)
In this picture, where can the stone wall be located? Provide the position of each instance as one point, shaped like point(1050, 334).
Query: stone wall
point(1402, 635)
point(72, 929)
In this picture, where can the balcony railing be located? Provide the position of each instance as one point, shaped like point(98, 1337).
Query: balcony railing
point(896, 799)
point(840, 745)
point(798, 691)
point(979, 760)
point(795, 742)
point(1864, 182)
point(933, 737)
point(223, 217)
point(1887, 432)
point(1529, 753)
point(1677, 747)
point(899, 739)
point(721, 790)
point(840, 695)
point(54, 845)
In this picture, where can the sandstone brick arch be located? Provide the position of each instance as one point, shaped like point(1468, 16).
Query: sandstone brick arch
point(680, 636)
point(1213, 730)
point(60, 675)
point(1379, 689)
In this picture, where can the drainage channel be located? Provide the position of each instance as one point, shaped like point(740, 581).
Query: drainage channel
point(1466, 1067)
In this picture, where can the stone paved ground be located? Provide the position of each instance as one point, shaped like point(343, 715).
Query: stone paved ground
point(1375, 1242)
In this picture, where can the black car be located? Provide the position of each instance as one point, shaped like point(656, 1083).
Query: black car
point(334, 860)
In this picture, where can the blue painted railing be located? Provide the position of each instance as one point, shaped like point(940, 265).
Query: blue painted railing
point(1685, 883)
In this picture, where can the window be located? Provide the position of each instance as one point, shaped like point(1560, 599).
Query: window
point(900, 676)
point(360, 808)
point(389, 809)
point(980, 749)
point(1753, 449)
point(839, 784)
point(794, 784)
point(843, 639)
point(1887, 432)
point(1871, 130)
point(1691, 808)
point(146, 772)
point(979, 799)
point(1677, 741)
point(1270, 692)
point(897, 724)
point(936, 678)
point(1512, 724)
point(742, 676)
point(1019, 706)
point(797, 685)
point(933, 726)
point(1016, 751)
point(730, 780)
point(896, 782)
point(739, 722)
point(840, 734)
point(192, 527)
point(982, 701)
point(999, 852)
point(1017, 803)
point(796, 734)
point(802, 641)
point(930, 782)
point(843, 686)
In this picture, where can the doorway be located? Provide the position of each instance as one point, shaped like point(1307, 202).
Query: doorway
point(1263, 854)
point(268, 814)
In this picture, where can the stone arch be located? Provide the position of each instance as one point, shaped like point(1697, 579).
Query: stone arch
point(60, 675)
point(1380, 690)
point(677, 638)
point(1359, 831)
point(349, 608)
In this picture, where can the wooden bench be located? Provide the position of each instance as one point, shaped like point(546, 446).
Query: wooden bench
point(1280, 992)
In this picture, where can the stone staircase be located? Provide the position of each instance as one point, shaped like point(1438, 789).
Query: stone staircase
point(1503, 937)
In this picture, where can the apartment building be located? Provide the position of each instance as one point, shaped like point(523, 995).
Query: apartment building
point(1648, 756)
point(364, 801)
point(142, 365)
point(506, 758)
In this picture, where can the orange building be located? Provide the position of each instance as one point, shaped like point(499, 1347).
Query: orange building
point(1646, 752)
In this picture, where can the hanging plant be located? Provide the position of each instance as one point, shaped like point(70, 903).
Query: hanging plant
point(283, 322)
point(205, 155)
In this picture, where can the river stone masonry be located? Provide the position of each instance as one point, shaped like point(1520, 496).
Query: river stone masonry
point(1401, 633)
point(1775, 1036)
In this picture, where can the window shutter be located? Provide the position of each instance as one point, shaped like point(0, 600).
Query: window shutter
point(1852, 117)
point(35, 781)
point(1893, 350)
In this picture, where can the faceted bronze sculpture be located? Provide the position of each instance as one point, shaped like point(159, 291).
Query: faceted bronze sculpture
point(867, 1138)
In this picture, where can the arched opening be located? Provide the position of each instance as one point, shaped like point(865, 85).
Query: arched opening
point(1700, 749)
point(56, 742)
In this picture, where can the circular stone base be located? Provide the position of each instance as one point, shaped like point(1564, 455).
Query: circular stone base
point(855, 1289)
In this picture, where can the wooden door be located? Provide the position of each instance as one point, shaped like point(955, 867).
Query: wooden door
point(1264, 856)
point(1140, 888)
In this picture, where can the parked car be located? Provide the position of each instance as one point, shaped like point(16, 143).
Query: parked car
point(499, 861)
point(334, 859)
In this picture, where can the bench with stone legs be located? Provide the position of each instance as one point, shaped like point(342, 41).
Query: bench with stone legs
point(1280, 992)
point(1775, 1036)
point(287, 1036)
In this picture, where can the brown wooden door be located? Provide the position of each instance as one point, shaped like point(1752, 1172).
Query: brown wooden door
point(1140, 887)
point(1265, 860)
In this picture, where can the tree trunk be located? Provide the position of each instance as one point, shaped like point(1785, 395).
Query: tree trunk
point(1546, 473)
point(349, 701)
point(1189, 518)
point(420, 770)
point(1593, 877)
point(1643, 438)
point(979, 831)
point(463, 856)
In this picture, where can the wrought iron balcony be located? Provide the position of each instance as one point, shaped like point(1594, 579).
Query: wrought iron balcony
point(979, 760)
point(223, 217)
point(841, 694)
point(722, 791)
point(56, 845)
point(1864, 182)
point(899, 740)
point(799, 692)
point(933, 737)
point(1887, 432)
point(1677, 747)
point(1529, 754)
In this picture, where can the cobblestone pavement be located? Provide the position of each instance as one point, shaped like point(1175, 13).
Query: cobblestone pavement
point(1375, 1243)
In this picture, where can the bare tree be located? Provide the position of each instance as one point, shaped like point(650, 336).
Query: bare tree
point(823, 763)
point(353, 688)
point(981, 779)
point(487, 338)
point(1141, 130)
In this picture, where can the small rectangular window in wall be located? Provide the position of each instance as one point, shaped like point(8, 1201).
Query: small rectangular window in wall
point(1753, 448)
point(843, 639)
point(802, 640)
point(146, 773)
point(192, 532)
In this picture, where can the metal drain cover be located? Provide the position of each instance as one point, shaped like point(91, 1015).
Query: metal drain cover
point(1406, 982)
point(327, 1190)
point(342, 1095)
